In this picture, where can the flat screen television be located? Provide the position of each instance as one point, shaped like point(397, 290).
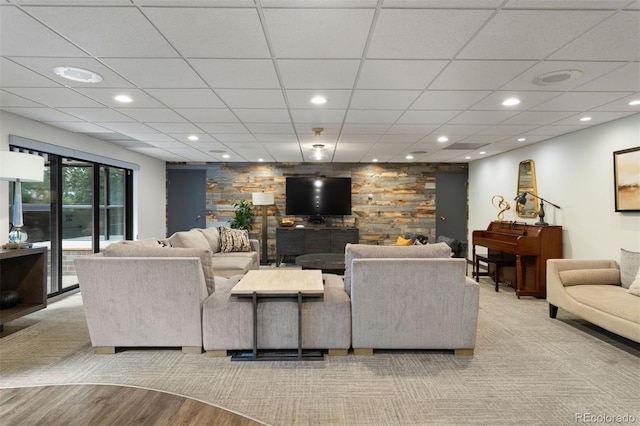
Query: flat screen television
point(318, 197)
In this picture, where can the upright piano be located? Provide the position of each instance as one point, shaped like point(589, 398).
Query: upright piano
point(531, 246)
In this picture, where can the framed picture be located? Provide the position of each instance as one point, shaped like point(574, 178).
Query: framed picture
point(626, 170)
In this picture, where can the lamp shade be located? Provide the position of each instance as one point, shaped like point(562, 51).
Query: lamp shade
point(18, 165)
point(262, 198)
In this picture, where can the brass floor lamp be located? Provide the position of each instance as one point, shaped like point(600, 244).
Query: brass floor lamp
point(263, 199)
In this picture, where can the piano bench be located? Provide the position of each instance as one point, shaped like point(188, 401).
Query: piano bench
point(498, 261)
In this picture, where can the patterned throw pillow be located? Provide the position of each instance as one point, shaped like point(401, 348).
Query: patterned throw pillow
point(234, 240)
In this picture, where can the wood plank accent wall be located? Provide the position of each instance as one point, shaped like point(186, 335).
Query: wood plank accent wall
point(403, 195)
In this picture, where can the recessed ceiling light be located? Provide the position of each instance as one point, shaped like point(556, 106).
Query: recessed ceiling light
point(467, 158)
point(557, 77)
point(78, 74)
point(409, 157)
point(635, 102)
point(260, 160)
point(511, 102)
point(193, 138)
point(226, 156)
point(443, 139)
point(375, 160)
point(522, 139)
point(483, 152)
point(585, 119)
point(123, 98)
point(319, 100)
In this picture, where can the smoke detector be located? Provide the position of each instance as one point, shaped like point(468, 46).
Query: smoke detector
point(557, 77)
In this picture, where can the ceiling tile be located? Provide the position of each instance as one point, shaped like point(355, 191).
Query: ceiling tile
point(622, 79)
point(539, 118)
point(223, 127)
point(14, 75)
point(364, 129)
point(514, 34)
point(412, 129)
point(153, 115)
point(590, 70)
point(232, 33)
point(318, 74)
point(395, 74)
point(263, 115)
point(248, 98)
point(233, 137)
point(427, 117)
point(372, 116)
point(187, 98)
point(35, 39)
point(586, 100)
point(404, 138)
point(597, 117)
point(174, 127)
point(270, 128)
point(10, 100)
point(364, 139)
point(45, 67)
point(482, 117)
point(97, 114)
point(336, 99)
point(528, 99)
point(55, 97)
point(436, 4)
point(448, 99)
point(566, 4)
point(318, 116)
point(505, 130)
point(155, 138)
point(616, 39)
point(41, 114)
point(208, 115)
point(423, 34)
point(621, 104)
point(350, 153)
point(237, 73)
point(150, 73)
point(474, 75)
point(78, 126)
point(383, 99)
point(554, 130)
point(318, 3)
point(461, 129)
point(106, 31)
point(128, 128)
point(318, 33)
point(159, 153)
point(276, 137)
point(106, 97)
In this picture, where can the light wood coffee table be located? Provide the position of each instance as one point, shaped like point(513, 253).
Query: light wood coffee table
point(266, 283)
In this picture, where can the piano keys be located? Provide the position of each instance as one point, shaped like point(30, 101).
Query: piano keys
point(531, 245)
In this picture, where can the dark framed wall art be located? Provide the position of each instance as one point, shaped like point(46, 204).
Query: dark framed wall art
point(626, 171)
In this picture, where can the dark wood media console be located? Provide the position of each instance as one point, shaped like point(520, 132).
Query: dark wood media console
point(24, 271)
point(299, 241)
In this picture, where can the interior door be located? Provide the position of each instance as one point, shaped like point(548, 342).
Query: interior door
point(451, 205)
point(186, 200)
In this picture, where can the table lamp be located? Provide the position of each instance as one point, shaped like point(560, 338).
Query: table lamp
point(19, 167)
point(521, 198)
point(263, 199)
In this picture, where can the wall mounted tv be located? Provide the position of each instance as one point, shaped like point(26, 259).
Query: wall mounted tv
point(318, 196)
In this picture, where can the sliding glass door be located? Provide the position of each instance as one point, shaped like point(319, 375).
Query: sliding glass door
point(80, 207)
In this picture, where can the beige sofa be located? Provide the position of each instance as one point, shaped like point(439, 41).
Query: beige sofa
point(592, 290)
point(414, 297)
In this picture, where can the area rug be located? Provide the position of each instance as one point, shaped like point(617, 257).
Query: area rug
point(527, 369)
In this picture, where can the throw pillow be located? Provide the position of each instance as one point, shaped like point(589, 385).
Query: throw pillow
point(213, 237)
point(189, 239)
point(401, 241)
point(629, 264)
point(634, 288)
point(607, 276)
point(232, 240)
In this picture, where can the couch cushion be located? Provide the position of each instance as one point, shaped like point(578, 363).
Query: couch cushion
point(629, 264)
point(635, 285)
point(189, 239)
point(605, 276)
point(133, 250)
point(233, 240)
point(213, 237)
point(360, 251)
point(613, 300)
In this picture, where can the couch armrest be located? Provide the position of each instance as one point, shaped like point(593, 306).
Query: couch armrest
point(139, 301)
point(556, 293)
point(255, 246)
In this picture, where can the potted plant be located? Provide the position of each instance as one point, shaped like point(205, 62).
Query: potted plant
point(243, 217)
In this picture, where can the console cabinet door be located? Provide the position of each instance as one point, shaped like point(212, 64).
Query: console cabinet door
point(289, 242)
point(317, 241)
point(340, 238)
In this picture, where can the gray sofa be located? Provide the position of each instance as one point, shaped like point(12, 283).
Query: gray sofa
point(414, 297)
point(593, 290)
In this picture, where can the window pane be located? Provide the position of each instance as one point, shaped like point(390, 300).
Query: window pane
point(112, 189)
point(77, 216)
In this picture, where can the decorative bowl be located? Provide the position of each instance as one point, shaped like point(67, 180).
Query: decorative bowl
point(287, 222)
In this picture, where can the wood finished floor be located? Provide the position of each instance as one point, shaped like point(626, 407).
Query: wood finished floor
point(108, 405)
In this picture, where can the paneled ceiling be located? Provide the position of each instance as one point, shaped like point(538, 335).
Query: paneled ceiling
point(397, 74)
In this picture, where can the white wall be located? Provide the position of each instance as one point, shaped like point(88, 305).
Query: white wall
point(149, 181)
point(574, 171)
